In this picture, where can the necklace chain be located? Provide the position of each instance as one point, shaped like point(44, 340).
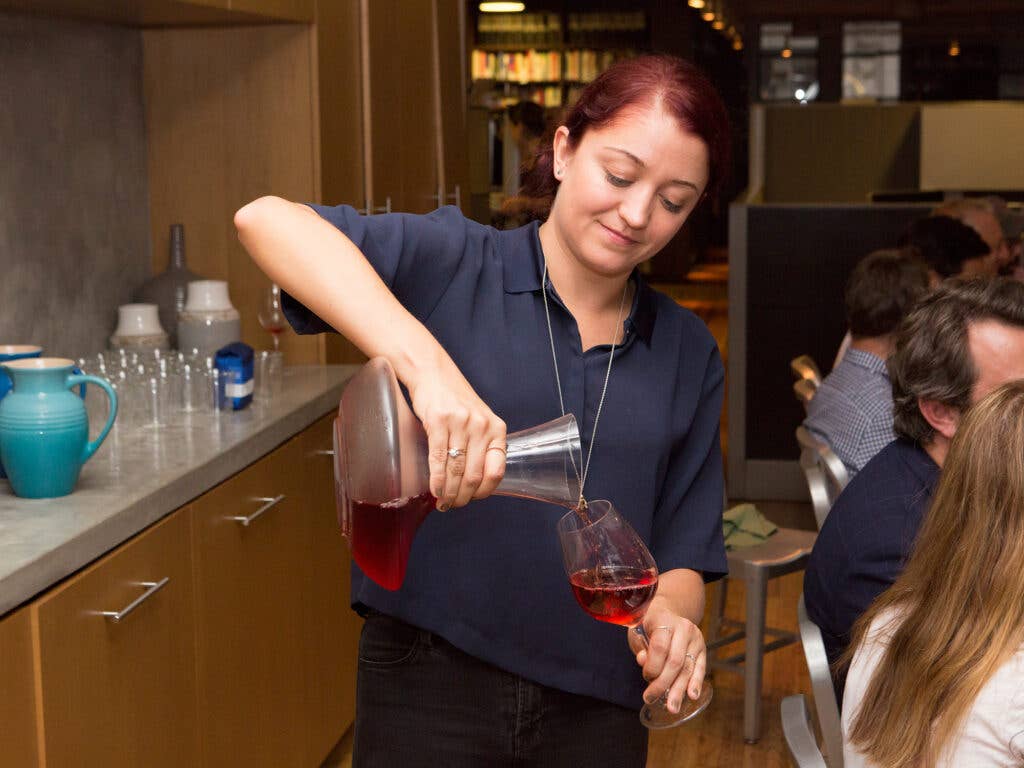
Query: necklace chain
point(558, 381)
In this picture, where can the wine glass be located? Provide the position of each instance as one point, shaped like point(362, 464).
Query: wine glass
point(614, 577)
point(270, 315)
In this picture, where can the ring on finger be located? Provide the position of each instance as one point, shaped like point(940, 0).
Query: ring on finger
point(497, 448)
point(456, 452)
point(691, 657)
point(663, 626)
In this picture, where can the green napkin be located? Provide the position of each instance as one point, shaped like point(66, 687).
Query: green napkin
point(745, 526)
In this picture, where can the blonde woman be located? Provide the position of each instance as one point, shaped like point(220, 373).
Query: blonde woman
point(937, 677)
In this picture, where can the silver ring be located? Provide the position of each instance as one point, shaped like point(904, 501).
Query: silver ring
point(497, 448)
point(456, 452)
point(663, 626)
point(691, 657)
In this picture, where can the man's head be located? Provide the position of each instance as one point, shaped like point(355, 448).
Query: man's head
point(958, 344)
point(980, 215)
point(881, 290)
point(948, 246)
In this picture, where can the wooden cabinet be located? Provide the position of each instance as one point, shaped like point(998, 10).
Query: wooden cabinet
point(122, 693)
point(18, 734)
point(250, 546)
point(332, 628)
point(235, 646)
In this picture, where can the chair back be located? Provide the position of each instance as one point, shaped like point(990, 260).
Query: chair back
point(824, 690)
point(804, 367)
point(796, 729)
point(825, 472)
point(804, 389)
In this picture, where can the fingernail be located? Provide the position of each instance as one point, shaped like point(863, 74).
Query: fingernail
point(443, 507)
point(648, 699)
point(673, 706)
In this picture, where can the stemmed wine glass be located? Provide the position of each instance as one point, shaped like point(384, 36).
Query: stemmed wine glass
point(270, 315)
point(614, 577)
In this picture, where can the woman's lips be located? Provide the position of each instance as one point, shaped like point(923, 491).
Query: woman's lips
point(618, 237)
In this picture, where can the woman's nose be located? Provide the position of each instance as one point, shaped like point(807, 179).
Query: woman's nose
point(635, 208)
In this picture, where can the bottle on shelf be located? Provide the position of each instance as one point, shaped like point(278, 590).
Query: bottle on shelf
point(169, 289)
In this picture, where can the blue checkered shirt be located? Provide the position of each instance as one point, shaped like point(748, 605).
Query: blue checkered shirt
point(852, 409)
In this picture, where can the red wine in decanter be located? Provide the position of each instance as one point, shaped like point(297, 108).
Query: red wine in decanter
point(382, 536)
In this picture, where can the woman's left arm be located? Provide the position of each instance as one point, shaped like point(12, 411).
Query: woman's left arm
point(677, 657)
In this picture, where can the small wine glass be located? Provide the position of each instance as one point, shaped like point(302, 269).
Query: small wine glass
point(614, 578)
point(271, 316)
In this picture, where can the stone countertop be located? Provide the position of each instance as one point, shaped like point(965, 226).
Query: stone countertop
point(141, 475)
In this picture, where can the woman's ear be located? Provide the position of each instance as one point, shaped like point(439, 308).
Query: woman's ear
point(561, 152)
point(943, 418)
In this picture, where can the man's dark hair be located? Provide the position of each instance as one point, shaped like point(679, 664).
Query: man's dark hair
point(931, 356)
point(881, 290)
point(529, 114)
point(944, 243)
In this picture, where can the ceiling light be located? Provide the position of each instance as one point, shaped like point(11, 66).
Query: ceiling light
point(502, 7)
point(698, 4)
point(737, 44)
point(954, 47)
point(718, 24)
point(708, 15)
point(786, 52)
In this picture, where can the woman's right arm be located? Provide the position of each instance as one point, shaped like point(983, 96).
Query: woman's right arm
point(317, 264)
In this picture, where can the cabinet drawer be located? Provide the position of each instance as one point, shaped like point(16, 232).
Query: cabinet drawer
point(17, 692)
point(120, 690)
point(333, 643)
point(249, 614)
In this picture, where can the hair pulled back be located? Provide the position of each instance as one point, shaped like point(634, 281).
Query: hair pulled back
point(677, 86)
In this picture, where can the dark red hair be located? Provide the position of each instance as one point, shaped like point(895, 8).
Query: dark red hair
point(677, 86)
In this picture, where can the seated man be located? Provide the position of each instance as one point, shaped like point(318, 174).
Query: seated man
point(852, 409)
point(957, 345)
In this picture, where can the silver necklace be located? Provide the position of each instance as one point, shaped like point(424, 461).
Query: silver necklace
point(558, 381)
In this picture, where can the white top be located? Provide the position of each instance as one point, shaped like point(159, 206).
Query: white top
point(993, 733)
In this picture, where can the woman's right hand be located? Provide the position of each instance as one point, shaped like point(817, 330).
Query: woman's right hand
point(458, 422)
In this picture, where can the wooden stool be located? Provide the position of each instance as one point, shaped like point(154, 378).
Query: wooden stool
point(785, 551)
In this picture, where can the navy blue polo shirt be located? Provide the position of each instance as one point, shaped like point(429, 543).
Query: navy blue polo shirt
point(488, 577)
point(866, 540)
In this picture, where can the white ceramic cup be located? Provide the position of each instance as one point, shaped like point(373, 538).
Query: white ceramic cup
point(138, 320)
point(207, 295)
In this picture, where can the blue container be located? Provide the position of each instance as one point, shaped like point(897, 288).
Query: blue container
point(234, 362)
point(44, 429)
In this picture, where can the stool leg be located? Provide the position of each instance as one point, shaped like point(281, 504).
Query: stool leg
point(718, 612)
point(757, 595)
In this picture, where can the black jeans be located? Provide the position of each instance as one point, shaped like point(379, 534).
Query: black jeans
point(422, 702)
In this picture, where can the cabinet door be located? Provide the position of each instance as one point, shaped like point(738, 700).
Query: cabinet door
point(285, 10)
point(402, 132)
point(452, 101)
point(249, 616)
point(332, 627)
point(123, 693)
point(17, 691)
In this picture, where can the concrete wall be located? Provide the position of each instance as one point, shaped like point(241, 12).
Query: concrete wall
point(74, 222)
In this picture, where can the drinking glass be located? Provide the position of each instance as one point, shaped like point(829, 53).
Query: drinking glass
point(270, 315)
point(614, 577)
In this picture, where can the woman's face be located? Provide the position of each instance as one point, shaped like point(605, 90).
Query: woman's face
point(626, 189)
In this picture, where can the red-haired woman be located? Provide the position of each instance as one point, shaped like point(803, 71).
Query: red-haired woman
point(483, 657)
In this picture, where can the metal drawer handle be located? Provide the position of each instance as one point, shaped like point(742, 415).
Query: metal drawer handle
point(268, 503)
point(152, 587)
point(322, 452)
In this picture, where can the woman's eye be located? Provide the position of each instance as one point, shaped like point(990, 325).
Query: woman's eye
point(617, 181)
point(670, 206)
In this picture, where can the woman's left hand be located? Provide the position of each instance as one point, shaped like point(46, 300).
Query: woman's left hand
point(675, 658)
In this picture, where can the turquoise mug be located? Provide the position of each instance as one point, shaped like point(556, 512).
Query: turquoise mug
point(44, 428)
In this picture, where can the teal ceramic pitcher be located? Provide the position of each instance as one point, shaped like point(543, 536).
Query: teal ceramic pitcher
point(44, 428)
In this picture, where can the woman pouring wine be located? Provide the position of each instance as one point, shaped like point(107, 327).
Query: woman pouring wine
point(483, 656)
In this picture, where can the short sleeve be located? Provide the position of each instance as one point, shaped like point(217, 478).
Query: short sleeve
point(416, 256)
point(687, 531)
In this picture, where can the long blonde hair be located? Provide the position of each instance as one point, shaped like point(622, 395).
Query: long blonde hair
point(960, 600)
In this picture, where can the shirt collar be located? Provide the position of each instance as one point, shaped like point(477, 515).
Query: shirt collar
point(867, 360)
point(523, 264)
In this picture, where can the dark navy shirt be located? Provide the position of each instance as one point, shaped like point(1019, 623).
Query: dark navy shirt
point(866, 540)
point(488, 577)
